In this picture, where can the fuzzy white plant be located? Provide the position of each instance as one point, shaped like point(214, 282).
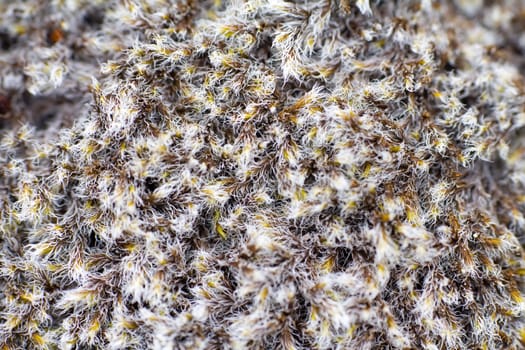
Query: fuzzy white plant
point(262, 174)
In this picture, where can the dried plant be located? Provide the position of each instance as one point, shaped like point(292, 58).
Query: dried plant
point(262, 174)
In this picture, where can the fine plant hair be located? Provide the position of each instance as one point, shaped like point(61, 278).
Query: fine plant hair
point(262, 174)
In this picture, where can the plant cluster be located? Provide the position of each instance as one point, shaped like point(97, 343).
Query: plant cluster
point(263, 174)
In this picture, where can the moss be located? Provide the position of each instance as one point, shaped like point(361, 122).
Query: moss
point(262, 174)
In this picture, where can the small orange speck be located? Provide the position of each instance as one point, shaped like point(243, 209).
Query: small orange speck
point(55, 35)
